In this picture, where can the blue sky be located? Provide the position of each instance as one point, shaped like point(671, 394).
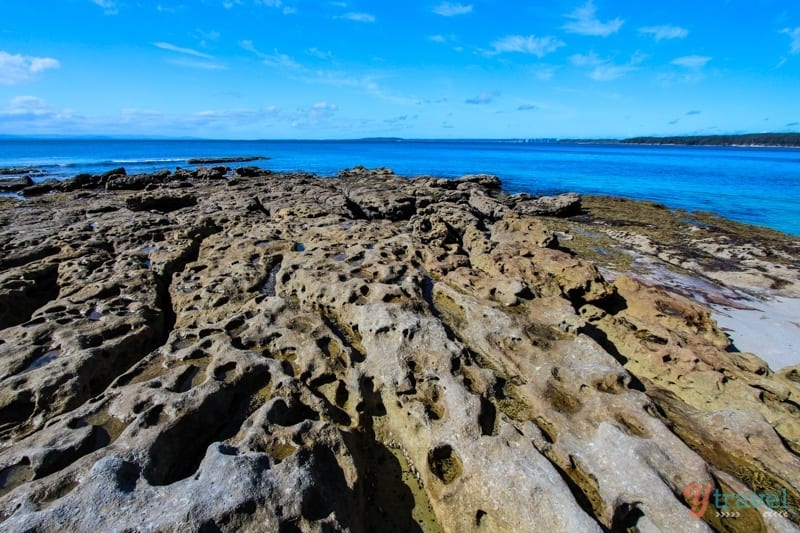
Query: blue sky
point(300, 69)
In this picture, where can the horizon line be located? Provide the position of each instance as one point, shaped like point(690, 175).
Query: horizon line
point(543, 140)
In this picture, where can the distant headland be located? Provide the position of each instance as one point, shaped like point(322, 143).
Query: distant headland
point(747, 139)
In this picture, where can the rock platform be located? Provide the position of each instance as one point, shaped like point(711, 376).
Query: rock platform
point(367, 352)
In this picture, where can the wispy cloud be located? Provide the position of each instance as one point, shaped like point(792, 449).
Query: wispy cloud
point(275, 60)
point(285, 9)
point(691, 62)
point(451, 9)
point(26, 105)
point(602, 69)
point(181, 50)
point(437, 38)
point(584, 21)
point(527, 107)
point(196, 63)
point(357, 17)
point(17, 68)
point(109, 6)
point(24, 111)
point(320, 54)
point(660, 33)
point(794, 35)
point(687, 114)
point(32, 115)
point(401, 119)
point(482, 99)
point(538, 46)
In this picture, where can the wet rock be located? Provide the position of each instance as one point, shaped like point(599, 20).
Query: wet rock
point(14, 171)
point(15, 184)
point(214, 160)
point(38, 189)
point(249, 172)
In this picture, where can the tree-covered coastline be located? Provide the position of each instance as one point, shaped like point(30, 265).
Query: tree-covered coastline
point(749, 139)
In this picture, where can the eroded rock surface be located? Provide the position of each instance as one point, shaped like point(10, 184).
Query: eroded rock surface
point(363, 353)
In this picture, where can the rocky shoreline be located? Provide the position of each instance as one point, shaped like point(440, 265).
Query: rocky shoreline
point(212, 350)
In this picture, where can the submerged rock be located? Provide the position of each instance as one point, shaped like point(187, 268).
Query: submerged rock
point(365, 352)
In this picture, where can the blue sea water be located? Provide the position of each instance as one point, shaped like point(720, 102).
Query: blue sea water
point(754, 185)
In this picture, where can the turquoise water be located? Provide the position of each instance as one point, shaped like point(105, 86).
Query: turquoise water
point(754, 185)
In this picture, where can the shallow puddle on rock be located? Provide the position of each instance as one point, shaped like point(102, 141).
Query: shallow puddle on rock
point(13, 476)
point(199, 377)
point(112, 426)
point(269, 286)
point(94, 315)
point(149, 249)
point(183, 343)
point(152, 370)
point(280, 451)
point(42, 360)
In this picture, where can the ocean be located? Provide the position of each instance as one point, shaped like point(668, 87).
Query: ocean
point(754, 185)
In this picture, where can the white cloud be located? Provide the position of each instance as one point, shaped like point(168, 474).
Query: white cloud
point(109, 6)
point(32, 115)
point(583, 60)
point(208, 35)
point(274, 60)
point(22, 105)
point(538, 46)
point(358, 17)
point(604, 69)
point(609, 72)
point(321, 54)
point(17, 68)
point(437, 38)
point(660, 33)
point(324, 106)
point(181, 50)
point(451, 9)
point(482, 99)
point(198, 64)
point(691, 62)
point(794, 35)
point(23, 110)
point(585, 22)
point(287, 10)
